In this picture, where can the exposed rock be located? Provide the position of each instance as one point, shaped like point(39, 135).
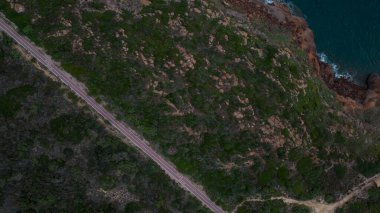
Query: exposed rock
point(77, 44)
point(19, 8)
point(188, 62)
point(348, 103)
point(145, 2)
point(347, 91)
point(61, 33)
point(134, 6)
point(177, 28)
point(172, 150)
point(220, 49)
point(280, 14)
point(373, 92)
point(238, 115)
point(342, 86)
point(373, 82)
point(275, 121)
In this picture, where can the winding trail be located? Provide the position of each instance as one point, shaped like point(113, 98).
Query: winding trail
point(321, 207)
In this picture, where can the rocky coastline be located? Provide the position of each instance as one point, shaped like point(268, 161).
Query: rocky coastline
point(350, 94)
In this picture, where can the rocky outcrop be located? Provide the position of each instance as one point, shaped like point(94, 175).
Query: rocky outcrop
point(348, 93)
point(19, 8)
point(279, 14)
point(342, 86)
point(373, 92)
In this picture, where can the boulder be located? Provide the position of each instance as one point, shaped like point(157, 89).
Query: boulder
point(373, 82)
point(373, 92)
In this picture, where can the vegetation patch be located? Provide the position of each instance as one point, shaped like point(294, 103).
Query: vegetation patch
point(233, 104)
point(55, 157)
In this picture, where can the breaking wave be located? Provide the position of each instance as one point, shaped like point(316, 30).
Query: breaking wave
point(296, 11)
point(335, 68)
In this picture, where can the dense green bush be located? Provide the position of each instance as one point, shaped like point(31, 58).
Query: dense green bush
point(55, 157)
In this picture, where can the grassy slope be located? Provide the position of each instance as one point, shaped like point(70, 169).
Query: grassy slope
point(248, 120)
point(55, 157)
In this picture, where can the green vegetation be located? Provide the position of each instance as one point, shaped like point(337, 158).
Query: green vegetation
point(369, 204)
point(9, 104)
point(237, 109)
point(55, 157)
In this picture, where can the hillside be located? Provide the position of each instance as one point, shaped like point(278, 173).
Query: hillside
point(55, 156)
point(233, 101)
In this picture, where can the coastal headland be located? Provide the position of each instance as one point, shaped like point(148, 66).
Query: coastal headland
point(350, 94)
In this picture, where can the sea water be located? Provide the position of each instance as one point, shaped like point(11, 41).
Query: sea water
point(347, 34)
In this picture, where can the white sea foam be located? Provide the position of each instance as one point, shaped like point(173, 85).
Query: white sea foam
point(338, 73)
point(292, 7)
point(269, 1)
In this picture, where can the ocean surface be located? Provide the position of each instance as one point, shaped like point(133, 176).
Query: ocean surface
point(347, 33)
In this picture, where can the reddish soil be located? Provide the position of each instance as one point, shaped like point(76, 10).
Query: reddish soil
point(279, 14)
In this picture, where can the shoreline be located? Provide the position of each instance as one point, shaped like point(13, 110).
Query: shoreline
point(349, 93)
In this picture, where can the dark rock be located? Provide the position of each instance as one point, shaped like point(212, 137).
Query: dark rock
point(373, 82)
point(280, 14)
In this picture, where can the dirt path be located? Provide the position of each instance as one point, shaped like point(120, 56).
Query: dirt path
point(317, 206)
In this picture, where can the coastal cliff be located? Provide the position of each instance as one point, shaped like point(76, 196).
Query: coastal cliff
point(350, 94)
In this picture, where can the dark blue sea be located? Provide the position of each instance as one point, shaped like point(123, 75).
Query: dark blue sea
point(347, 32)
